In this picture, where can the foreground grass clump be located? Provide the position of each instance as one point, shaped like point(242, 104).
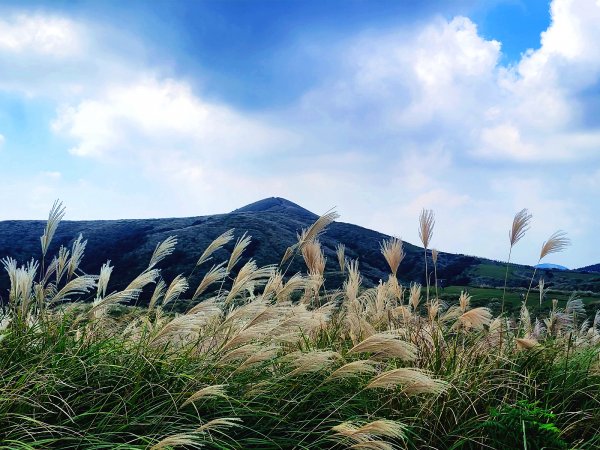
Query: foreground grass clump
point(264, 360)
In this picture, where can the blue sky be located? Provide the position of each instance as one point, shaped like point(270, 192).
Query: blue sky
point(155, 109)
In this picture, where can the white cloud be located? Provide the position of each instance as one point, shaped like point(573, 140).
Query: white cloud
point(2, 140)
point(38, 34)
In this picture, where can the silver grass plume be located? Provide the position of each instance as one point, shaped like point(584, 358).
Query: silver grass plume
point(56, 215)
point(177, 287)
point(340, 251)
point(162, 250)
point(240, 245)
point(105, 272)
point(393, 252)
point(215, 245)
point(76, 255)
point(157, 294)
point(214, 275)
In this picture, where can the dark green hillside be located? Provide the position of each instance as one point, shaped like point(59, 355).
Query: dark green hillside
point(273, 224)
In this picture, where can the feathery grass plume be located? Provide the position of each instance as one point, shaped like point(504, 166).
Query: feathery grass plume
point(412, 381)
point(214, 275)
point(157, 294)
point(393, 252)
point(366, 432)
point(526, 344)
point(21, 285)
point(62, 263)
point(103, 278)
point(77, 286)
point(414, 297)
point(56, 215)
point(372, 445)
point(208, 307)
point(240, 245)
point(314, 258)
point(182, 330)
point(50, 270)
point(434, 308)
point(177, 287)
point(215, 390)
point(353, 369)
point(464, 301)
point(352, 284)
point(273, 286)
point(215, 245)
point(296, 283)
point(313, 361)
point(249, 277)
point(474, 318)
point(384, 427)
point(519, 226)
point(240, 353)
point(525, 319)
point(143, 279)
point(386, 345)
point(162, 250)
point(340, 251)
point(426, 223)
point(266, 354)
point(556, 243)
point(76, 255)
point(218, 424)
point(314, 231)
point(310, 234)
point(248, 335)
point(178, 440)
point(100, 305)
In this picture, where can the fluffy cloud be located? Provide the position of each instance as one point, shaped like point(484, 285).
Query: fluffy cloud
point(2, 140)
point(48, 36)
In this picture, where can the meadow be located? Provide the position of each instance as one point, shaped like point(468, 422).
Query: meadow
point(266, 359)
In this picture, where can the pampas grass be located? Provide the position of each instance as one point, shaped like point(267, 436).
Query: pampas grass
point(56, 215)
point(392, 251)
point(215, 245)
point(411, 381)
point(264, 360)
point(519, 226)
point(556, 243)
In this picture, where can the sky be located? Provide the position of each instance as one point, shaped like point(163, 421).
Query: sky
point(474, 109)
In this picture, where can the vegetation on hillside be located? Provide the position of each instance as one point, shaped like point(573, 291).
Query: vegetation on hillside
point(262, 358)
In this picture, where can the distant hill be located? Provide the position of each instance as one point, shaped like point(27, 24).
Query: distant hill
point(593, 268)
point(551, 266)
point(273, 224)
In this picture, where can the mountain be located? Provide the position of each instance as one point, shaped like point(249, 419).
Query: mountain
point(593, 268)
point(551, 266)
point(273, 224)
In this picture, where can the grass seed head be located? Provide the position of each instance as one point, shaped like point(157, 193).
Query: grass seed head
point(426, 223)
point(555, 244)
point(519, 226)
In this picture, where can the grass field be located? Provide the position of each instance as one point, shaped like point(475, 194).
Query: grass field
point(263, 359)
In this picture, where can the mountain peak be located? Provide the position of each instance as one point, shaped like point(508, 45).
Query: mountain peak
point(274, 204)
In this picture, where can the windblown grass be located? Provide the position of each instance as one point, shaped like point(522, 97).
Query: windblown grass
point(267, 360)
